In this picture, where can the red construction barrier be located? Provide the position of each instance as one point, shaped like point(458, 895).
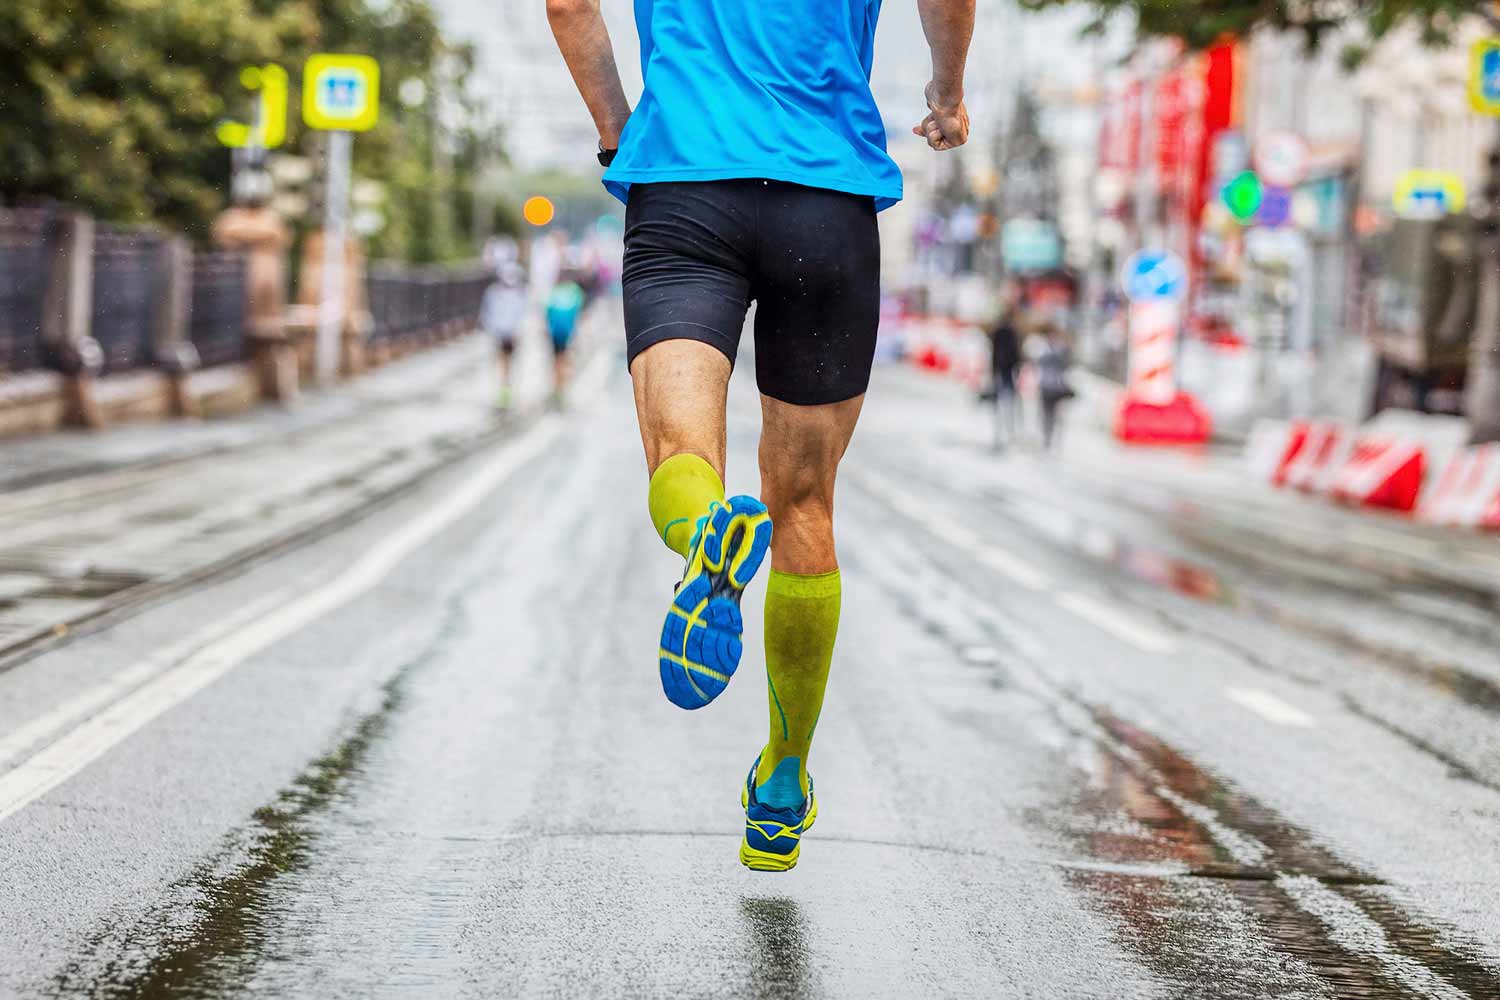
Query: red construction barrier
point(1382, 471)
point(1466, 492)
point(1325, 448)
point(1182, 421)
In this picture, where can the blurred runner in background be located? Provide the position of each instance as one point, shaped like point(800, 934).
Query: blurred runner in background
point(501, 313)
point(564, 304)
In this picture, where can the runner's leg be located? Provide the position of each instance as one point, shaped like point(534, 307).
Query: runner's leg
point(680, 391)
point(800, 450)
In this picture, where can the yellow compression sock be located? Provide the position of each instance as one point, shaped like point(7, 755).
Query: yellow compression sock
point(802, 621)
point(682, 488)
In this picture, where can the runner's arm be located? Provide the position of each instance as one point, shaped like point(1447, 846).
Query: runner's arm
point(583, 39)
point(949, 27)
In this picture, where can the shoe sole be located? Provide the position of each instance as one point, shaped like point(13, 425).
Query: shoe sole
point(764, 861)
point(700, 639)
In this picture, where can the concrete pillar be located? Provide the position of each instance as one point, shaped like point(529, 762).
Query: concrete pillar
point(67, 317)
point(172, 343)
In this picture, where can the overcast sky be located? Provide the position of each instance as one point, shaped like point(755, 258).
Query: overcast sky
point(522, 74)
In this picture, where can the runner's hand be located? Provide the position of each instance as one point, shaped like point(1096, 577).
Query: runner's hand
point(945, 127)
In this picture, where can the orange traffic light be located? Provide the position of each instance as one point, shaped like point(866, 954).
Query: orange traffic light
point(538, 210)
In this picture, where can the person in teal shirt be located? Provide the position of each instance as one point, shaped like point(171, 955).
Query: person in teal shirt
point(752, 169)
point(564, 304)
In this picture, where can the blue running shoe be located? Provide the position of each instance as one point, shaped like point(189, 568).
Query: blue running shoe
point(773, 837)
point(700, 640)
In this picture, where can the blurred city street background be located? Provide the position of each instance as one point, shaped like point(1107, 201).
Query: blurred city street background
point(327, 640)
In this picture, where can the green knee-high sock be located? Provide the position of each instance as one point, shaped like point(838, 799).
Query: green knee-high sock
point(682, 488)
point(802, 621)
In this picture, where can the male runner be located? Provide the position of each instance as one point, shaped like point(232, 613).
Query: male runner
point(752, 169)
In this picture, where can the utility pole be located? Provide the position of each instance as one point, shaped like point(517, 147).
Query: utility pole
point(1482, 391)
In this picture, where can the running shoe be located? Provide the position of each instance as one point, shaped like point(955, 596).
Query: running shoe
point(773, 837)
point(700, 640)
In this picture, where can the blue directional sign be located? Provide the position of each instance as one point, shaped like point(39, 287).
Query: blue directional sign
point(1484, 76)
point(1153, 274)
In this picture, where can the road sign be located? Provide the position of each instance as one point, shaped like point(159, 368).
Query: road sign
point(1275, 207)
point(1428, 194)
point(1484, 76)
point(269, 127)
point(1153, 274)
point(1281, 159)
point(341, 92)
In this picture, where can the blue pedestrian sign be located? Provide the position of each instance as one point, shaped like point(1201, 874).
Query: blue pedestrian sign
point(1153, 274)
point(1484, 76)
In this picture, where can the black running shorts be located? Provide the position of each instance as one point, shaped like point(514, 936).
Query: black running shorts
point(697, 254)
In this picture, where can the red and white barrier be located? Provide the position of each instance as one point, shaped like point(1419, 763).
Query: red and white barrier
point(1466, 491)
point(1325, 448)
point(1272, 447)
point(1382, 471)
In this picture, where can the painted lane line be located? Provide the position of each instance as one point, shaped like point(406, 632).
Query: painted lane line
point(20, 740)
point(992, 556)
point(1122, 626)
point(94, 737)
point(1008, 564)
point(1269, 707)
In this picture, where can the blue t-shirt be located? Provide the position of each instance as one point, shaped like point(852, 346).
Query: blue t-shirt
point(778, 89)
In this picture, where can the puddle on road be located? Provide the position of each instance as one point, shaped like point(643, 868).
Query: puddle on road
point(782, 961)
point(1233, 919)
point(213, 949)
point(208, 941)
point(1150, 565)
point(1241, 858)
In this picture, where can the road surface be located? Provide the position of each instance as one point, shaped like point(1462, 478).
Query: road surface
point(1089, 734)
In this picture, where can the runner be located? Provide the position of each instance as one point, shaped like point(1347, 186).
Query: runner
point(500, 313)
point(752, 170)
point(563, 306)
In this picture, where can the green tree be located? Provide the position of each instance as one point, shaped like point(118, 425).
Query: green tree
point(110, 105)
point(1202, 22)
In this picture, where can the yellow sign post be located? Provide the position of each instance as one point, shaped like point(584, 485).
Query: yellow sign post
point(341, 92)
point(268, 131)
point(1484, 76)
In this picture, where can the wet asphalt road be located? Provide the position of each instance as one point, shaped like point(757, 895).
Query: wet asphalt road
point(1082, 740)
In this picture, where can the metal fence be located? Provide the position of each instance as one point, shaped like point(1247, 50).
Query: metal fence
point(23, 284)
point(405, 299)
point(129, 279)
point(219, 307)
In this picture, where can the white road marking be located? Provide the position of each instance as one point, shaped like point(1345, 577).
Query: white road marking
point(18, 741)
point(994, 557)
point(1269, 707)
point(92, 738)
point(1123, 626)
point(1010, 565)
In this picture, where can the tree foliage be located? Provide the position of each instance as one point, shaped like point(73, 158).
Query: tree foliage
point(1200, 23)
point(111, 104)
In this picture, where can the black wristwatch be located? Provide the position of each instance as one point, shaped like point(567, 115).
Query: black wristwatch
point(607, 156)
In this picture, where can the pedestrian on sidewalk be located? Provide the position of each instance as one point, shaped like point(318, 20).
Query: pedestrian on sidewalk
point(501, 313)
point(754, 167)
point(1005, 366)
point(1052, 358)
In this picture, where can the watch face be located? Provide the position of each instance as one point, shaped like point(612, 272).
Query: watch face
point(607, 156)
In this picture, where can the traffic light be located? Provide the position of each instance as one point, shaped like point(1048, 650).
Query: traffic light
point(538, 210)
point(1243, 195)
